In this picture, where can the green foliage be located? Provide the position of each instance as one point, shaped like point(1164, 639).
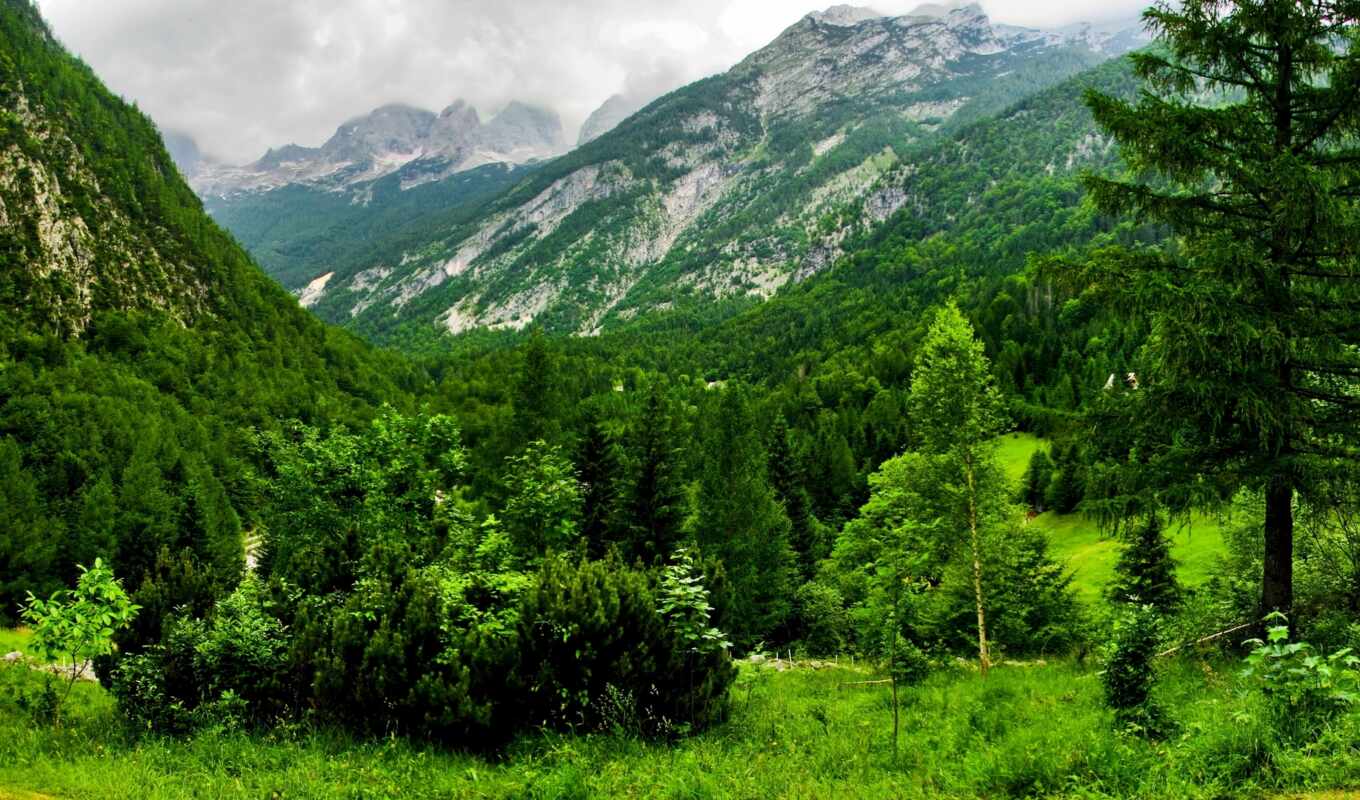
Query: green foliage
point(75, 626)
point(684, 605)
point(1305, 689)
point(543, 508)
point(230, 669)
point(1130, 674)
point(740, 523)
point(1146, 572)
point(821, 620)
point(1034, 485)
point(593, 634)
point(1242, 145)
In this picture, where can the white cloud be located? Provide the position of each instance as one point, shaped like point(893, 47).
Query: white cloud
point(245, 75)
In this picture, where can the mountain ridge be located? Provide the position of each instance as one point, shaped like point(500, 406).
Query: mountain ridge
point(723, 188)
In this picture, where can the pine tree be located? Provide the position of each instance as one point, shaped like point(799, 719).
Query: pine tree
point(599, 468)
point(652, 511)
point(786, 477)
point(536, 394)
point(1067, 487)
point(1146, 572)
point(1038, 476)
point(1247, 133)
point(740, 522)
point(957, 412)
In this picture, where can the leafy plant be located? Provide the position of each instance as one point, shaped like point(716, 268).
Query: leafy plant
point(1304, 688)
point(684, 604)
point(1130, 675)
point(73, 627)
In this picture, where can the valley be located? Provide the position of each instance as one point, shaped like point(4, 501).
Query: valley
point(918, 405)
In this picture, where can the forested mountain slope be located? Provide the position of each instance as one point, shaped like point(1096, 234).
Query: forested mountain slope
point(139, 345)
point(728, 188)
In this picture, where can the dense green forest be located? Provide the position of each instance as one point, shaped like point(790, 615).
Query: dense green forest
point(819, 547)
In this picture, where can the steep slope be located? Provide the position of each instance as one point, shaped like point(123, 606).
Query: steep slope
point(728, 188)
point(140, 348)
point(608, 116)
point(378, 182)
point(972, 208)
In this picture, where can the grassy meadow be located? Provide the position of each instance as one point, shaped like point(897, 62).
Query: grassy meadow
point(802, 732)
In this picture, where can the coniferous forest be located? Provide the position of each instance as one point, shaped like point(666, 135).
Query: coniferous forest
point(1046, 486)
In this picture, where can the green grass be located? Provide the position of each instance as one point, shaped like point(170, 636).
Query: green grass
point(1077, 541)
point(12, 639)
point(1026, 731)
point(1014, 451)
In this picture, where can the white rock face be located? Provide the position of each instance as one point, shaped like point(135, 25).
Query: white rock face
point(312, 292)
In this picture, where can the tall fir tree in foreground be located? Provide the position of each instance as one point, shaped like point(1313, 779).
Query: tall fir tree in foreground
point(652, 507)
point(957, 412)
point(1244, 145)
point(740, 522)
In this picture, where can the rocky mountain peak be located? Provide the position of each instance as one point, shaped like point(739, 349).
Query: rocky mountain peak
point(610, 113)
point(387, 139)
point(522, 125)
point(844, 15)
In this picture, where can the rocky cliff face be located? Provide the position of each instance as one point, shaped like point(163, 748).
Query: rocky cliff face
point(730, 187)
point(388, 140)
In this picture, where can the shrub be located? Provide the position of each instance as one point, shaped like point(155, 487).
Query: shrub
point(230, 669)
point(1304, 689)
point(823, 624)
point(595, 630)
point(74, 627)
point(1130, 675)
point(399, 655)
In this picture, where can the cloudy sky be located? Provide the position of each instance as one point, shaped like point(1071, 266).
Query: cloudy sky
point(244, 75)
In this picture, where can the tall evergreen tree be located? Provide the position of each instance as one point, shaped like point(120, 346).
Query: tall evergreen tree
point(1249, 378)
point(536, 400)
point(741, 523)
point(957, 412)
point(1034, 486)
point(786, 477)
point(652, 510)
point(599, 468)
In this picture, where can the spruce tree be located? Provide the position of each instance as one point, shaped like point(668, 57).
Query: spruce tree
point(652, 510)
point(1146, 572)
point(786, 476)
point(1038, 476)
point(1244, 145)
point(536, 394)
point(740, 522)
point(599, 469)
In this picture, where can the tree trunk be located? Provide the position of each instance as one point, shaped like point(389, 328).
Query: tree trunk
point(1277, 575)
point(984, 660)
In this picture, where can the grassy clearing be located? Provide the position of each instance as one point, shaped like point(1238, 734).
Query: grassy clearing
point(1091, 555)
point(1014, 451)
point(1026, 731)
point(1078, 541)
point(12, 639)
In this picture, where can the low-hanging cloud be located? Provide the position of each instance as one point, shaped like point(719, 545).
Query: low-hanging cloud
point(243, 76)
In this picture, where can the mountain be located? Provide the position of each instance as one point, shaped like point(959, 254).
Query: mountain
point(305, 212)
point(718, 193)
point(608, 116)
point(142, 351)
point(420, 145)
